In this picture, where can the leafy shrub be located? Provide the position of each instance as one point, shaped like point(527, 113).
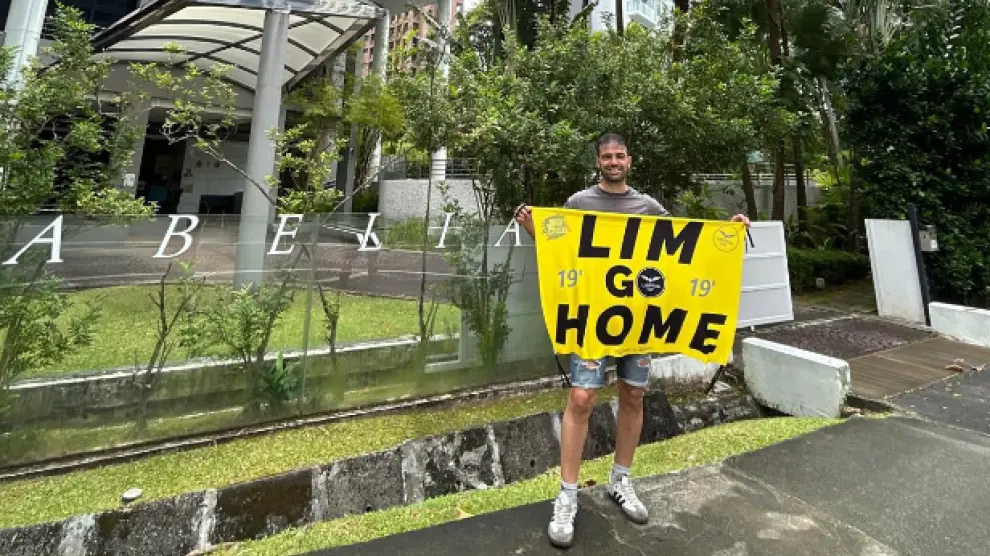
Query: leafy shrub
point(365, 201)
point(836, 267)
point(279, 382)
point(700, 203)
point(917, 122)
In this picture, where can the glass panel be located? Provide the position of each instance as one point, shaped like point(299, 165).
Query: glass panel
point(331, 327)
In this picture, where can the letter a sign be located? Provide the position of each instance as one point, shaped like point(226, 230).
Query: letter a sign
point(617, 284)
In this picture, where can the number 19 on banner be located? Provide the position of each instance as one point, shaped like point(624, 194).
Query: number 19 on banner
point(701, 288)
point(569, 278)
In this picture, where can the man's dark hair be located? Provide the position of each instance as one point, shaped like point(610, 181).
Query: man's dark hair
point(609, 137)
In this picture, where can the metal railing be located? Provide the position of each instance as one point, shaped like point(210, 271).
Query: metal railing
point(454, 168)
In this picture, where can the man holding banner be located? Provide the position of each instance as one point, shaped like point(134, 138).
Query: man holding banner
point(622, 281)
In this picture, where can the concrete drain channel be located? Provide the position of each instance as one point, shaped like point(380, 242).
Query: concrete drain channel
point(482, 457)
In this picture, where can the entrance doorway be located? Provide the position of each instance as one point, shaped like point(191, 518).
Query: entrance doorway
point(160, 178)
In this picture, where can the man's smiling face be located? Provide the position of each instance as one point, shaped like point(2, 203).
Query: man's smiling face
point(614, 163)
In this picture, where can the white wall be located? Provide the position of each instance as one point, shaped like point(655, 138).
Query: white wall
point(895, 271)
point(403, 199)
point(728, 194)
point(966, 324)
point(797, 382)
point(400, 200)
point(203, 175)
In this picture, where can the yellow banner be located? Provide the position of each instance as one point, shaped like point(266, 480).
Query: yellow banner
point(618, 284)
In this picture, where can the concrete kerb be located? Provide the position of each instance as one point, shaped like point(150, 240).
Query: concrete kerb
point(203, 385)
point(795, 381)
point(482, 457)
point(965, 324)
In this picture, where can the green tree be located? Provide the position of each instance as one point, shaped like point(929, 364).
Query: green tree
point(917, 121)
point(59, 147)
point(544, 107)
point(379, 118)
point(815, 39)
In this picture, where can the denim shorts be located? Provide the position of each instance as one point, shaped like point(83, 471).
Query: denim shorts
point(634, 370)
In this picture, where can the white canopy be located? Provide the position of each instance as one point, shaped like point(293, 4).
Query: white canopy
point(229, 32)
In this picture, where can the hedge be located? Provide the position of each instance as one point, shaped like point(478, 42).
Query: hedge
point(836, 267)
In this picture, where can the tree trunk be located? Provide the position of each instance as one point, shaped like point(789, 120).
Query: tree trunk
point(142, 416)
point(828, 123)
point(683, 6)
point(774, 36)
point(852, 215)
point(779, 191)
point(752, 210)
point(620, 23)
point(802, 193)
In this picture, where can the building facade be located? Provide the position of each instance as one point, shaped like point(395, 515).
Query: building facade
point(410, 24)
point(648, 13)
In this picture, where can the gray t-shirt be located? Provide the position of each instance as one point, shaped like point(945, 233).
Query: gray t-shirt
point(597, 199)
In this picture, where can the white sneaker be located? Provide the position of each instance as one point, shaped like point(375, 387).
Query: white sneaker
point(561, 528)
point(623, 494)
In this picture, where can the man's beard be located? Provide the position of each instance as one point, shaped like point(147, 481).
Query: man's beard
point(620, 177)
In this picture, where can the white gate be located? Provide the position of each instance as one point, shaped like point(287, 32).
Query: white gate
point(766, 284)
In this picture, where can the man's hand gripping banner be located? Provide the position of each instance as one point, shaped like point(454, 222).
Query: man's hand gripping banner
point(617, 284)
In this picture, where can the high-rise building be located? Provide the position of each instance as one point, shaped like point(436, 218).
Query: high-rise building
point(647, 13)
point(644, 12)
point(411, 23)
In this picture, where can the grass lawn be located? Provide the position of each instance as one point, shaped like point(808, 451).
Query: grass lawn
point(55, 498)
point(127, 330)
point(698, 448)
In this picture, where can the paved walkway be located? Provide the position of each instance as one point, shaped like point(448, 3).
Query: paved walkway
point(895, 486)
point(962, 401)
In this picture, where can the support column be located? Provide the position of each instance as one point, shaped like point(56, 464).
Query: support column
point(378, 67)
point(255, 209)
point(25, 19)
point(273, 207)
point(352, 145)
point(337, 71)
point(438, 162)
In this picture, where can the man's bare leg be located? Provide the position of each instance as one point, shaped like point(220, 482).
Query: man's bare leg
point(634, 376)
point(573, 433)
point(629, 425)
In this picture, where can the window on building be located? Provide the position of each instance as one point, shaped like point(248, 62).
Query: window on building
point(102, 13)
